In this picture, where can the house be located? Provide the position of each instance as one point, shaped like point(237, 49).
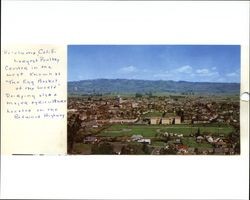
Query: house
point(219, 151)
point(209, 139)
point(136, 137)
point(134, 105)
point(191, 150)
point(72, 110)
point(199, 139)
point(177, 120)
point(171, 119)
point(165, 134)
point(167, 120)
point(205, 151)
point(217, 140)
point(90, 140)
point(231, 151)
point(177, 141)
point(83, 116)
point(221, 144)
point(147, 141)
point(155, 120)
point(182, 149)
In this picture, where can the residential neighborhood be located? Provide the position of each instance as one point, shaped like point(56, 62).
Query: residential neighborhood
point(156, 125)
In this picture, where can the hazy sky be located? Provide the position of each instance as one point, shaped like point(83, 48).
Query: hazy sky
point(208, 63)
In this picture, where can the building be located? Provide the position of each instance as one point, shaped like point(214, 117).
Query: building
point(136, 137)
point(72, 110)
point(170, 119)
point(155, 120)
point(199, 139)
point(83, 116)
point(146, 141)
point(90, 140)
point(167, 120)
point(177, 120)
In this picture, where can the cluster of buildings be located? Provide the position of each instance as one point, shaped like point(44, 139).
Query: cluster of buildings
point(217, 146)
point(96, 113)
point(170, 118)
point(129, 110)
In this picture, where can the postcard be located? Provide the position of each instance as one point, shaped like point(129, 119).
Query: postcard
point(121, 99)
point(154, 99)
point(125, 100)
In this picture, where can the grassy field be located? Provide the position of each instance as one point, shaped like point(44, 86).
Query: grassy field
point(152, 130)
point(190, 142)
point(158, 143)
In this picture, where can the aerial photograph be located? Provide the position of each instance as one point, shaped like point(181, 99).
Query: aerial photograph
point(153, 100)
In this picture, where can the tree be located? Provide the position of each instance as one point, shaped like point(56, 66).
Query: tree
point(180, 113)
point(132, 149)
point(196, 150)
point(78, 137)
point(125, 150)
point(170, 151)
point(198, 133)
point(72, 131)
point(150, 94)
point(138, 95)
point(145, 148)
point(103, 148)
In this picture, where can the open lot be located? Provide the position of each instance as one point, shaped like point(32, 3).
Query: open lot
point(152, 130)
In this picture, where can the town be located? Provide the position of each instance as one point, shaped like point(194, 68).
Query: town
point(147, 124)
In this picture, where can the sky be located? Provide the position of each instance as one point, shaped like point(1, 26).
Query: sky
point(196, 63)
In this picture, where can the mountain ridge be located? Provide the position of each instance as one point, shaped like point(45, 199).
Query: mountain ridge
point(143, 86)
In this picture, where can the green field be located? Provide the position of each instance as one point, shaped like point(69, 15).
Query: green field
point(152, 130)
point(190, 142)
point(158, 143)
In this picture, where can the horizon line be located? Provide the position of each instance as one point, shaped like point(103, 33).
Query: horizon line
point(147, 80)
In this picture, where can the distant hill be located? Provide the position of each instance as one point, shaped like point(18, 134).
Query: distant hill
point(144, 86)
